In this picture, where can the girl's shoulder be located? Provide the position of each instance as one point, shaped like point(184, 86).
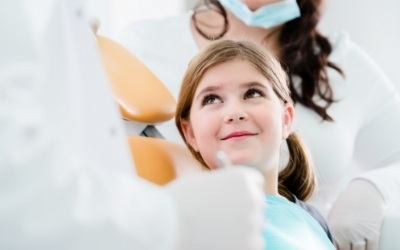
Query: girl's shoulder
point(316, 215)
point(282, 213)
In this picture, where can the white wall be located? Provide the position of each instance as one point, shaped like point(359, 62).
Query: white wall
point(115, 15)
point(374, 25)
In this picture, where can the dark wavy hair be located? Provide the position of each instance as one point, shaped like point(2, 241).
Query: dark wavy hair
point(304, 54)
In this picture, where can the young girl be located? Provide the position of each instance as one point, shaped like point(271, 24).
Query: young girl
point(235, 98)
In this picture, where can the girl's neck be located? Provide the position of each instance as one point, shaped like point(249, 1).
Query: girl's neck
point(271, 181)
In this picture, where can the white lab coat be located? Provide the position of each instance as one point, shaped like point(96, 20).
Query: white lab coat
point(66, 178)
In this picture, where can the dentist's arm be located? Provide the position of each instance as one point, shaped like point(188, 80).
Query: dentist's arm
point(357, 215)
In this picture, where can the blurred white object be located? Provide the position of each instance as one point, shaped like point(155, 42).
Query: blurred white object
point(66, 179)
point(202, 200)
point(65, 172)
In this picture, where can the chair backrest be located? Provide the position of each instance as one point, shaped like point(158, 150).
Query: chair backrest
point(161, 161)
point(143, 99)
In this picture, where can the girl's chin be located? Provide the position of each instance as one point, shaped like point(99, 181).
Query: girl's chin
point(242, 160)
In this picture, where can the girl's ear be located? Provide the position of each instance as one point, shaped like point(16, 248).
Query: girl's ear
point(189, 134)
point(287, 119)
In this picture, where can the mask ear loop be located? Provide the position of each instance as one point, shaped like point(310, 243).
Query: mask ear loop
point(220, 10)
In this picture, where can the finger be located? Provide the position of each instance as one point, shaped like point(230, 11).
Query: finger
point(359, 245)
point(372, 244)
point(344, 247)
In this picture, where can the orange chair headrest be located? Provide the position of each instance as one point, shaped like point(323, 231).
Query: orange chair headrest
point(140, 94)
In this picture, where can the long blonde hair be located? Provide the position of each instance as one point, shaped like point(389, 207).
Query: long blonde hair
point(297, 178)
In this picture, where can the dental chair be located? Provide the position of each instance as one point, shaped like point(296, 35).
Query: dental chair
point(144, 101)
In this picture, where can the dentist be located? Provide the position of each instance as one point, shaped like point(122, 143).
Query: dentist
point(65, 173)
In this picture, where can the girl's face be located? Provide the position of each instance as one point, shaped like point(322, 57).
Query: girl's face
point(235, 110)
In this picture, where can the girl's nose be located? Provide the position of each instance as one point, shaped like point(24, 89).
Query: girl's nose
point(235, 117)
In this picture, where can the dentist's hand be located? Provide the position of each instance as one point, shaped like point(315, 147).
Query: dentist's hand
point(356, 217)
point(220, 210)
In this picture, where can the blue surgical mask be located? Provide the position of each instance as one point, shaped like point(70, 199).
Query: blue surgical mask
point(267, 16)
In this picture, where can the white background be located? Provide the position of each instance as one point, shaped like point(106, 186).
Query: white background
point(373, 25)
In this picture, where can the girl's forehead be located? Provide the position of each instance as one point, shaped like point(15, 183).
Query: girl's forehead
point(231, 71)
point(231, 74)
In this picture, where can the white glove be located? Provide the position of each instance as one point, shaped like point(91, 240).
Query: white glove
point(220, 211)
point(356, 217)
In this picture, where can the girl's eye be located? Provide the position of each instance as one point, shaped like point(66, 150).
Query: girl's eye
point(211, 99)
point(253, 93)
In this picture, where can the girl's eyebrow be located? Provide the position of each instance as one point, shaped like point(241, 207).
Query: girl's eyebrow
point(207, 90)
point(253, 84)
